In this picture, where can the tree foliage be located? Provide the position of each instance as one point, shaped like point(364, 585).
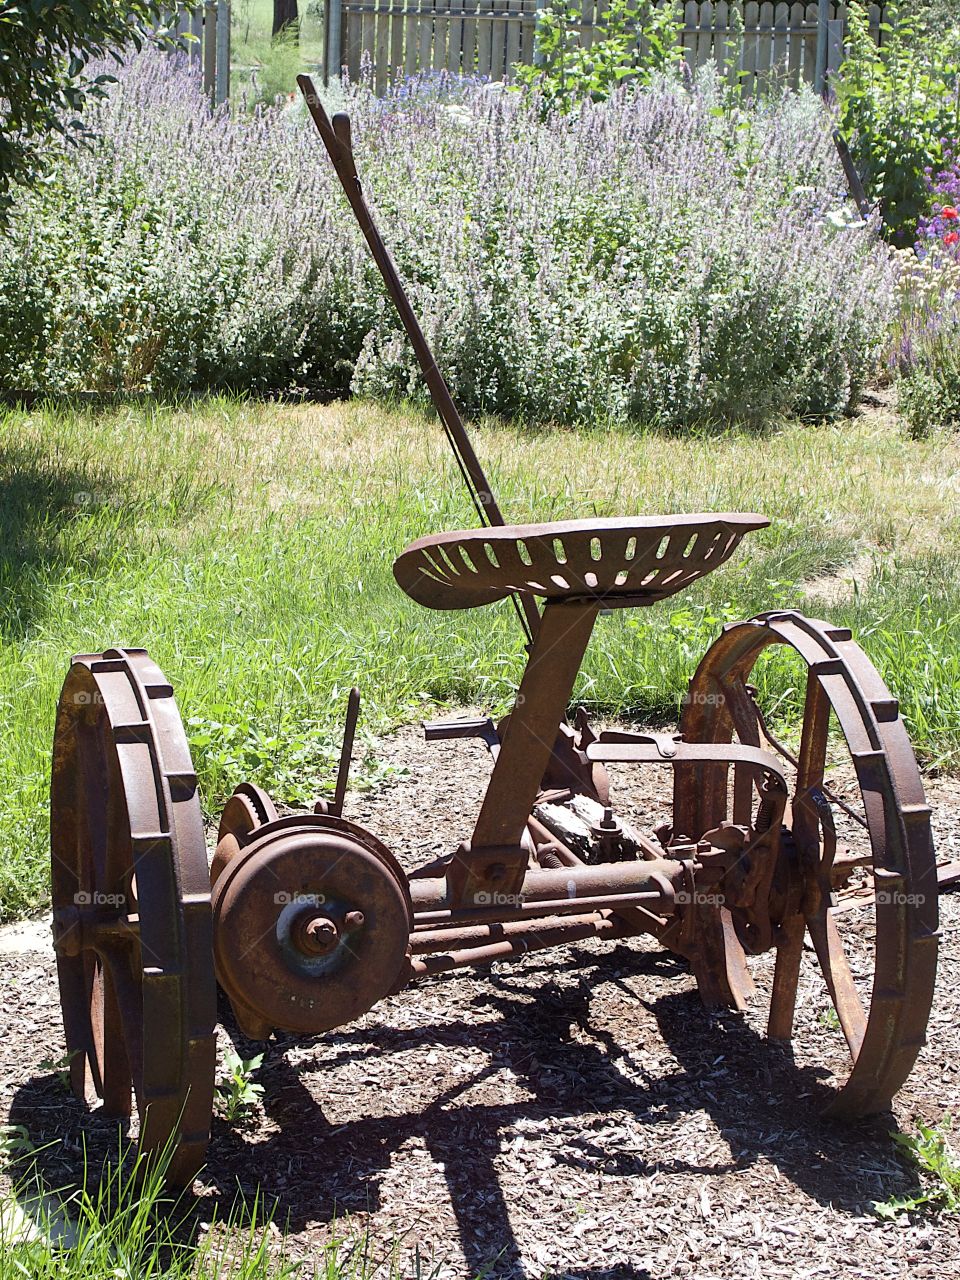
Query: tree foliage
point(46, 48)
point(637, 41)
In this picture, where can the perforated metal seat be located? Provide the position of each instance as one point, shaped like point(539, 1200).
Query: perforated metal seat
point(633, 560)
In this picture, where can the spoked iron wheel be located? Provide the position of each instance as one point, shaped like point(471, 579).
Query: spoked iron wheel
point(858, 851)
point(131, 902)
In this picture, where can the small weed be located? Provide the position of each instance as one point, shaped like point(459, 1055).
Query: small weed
point(61, 1066)
point(14, 1143)
point(939, 1168)
point(239, 1093)
point(830, 1019)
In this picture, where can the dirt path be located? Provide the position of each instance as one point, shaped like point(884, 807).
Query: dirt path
point(584, 1120)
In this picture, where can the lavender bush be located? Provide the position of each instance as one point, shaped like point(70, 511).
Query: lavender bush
point(661, 257)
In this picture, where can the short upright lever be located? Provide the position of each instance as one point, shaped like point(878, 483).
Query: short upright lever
point(346, 751)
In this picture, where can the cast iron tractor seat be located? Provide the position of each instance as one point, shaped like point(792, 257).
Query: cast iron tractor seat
point(635, 560)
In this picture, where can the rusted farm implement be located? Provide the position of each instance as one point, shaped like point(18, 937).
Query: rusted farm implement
point(306, 921)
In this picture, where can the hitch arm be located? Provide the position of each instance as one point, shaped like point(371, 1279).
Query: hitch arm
point(337, 140)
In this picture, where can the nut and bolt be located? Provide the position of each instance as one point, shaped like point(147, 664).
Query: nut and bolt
point(607, 833)
point(609, 822)
point(318, 936)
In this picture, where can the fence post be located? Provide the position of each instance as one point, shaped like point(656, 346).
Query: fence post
point(537, 55)
point(196, 29)
point(834, 48)
point(223, 52)
point(332, 40)
point(210, 48)
point(823, 20)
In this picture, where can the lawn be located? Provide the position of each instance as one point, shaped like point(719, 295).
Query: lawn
point(248, 547)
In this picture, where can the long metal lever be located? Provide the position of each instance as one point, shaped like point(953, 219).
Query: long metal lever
point(337, 140)
point(855, 186)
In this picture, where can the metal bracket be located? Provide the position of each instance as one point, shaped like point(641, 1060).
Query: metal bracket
point(481, 727)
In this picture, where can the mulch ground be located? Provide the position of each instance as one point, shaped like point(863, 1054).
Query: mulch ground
point(577, 1114)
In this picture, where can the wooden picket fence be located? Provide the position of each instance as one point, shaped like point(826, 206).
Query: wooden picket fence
point(388, 39)
point(209, 26)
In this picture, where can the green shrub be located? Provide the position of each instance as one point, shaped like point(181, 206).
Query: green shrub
point(639, 40)
point(929, 397)
point(281, 61)
point(898, 102)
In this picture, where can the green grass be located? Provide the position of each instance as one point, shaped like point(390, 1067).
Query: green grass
point(249, 548)
point(124, 1223)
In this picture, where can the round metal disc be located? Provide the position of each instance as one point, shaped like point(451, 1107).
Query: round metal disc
point(131, 904)
point(247, 809)
point(303, 868)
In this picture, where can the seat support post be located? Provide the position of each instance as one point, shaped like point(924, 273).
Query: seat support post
point(496, 860)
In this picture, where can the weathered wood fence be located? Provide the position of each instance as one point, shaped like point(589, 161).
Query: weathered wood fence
point(209, 24)
point(488, 37)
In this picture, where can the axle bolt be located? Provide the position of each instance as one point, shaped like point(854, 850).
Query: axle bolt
point(318, 936)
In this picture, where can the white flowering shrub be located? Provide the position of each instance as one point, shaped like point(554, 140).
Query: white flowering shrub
point(664, 257)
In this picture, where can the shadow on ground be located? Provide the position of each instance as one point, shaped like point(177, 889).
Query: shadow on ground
point(318, 1173)
point(39, 497)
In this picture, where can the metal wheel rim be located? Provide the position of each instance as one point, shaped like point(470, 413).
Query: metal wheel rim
point(125, 819)
point(898, 817)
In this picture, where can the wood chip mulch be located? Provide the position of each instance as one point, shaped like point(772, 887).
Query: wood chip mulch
point(577, 1114)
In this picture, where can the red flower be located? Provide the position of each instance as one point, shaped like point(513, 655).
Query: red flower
point(951, 237)
point(949, 212)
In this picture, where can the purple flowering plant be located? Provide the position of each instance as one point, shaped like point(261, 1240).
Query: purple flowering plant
point(940, 228)
point(654, 258)
point(925, 348)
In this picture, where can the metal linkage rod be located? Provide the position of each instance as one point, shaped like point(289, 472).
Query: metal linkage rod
point(511, 946)
point(336, 138)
